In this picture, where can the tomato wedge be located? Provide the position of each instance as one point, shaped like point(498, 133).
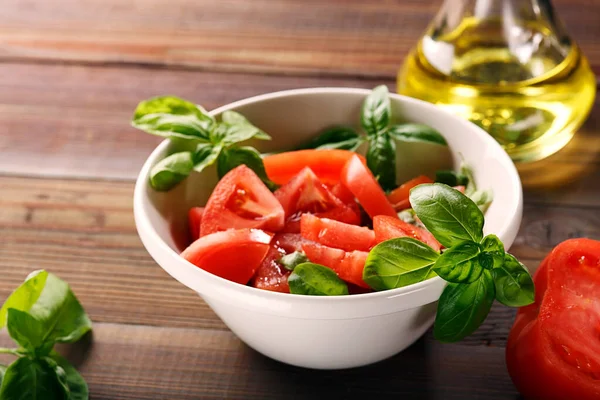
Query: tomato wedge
point(336, 234)
point(305, 193)
point(388, 228)
point(271, 275)
point(341, 192)
point(326, 164)
point(194, 221)
point(361, 182)
point(399, 196)
point(241, 200)
point(553, 350)
point(349, 265)
point(234, 254)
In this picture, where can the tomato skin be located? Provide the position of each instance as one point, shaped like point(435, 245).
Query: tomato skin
point(270, 275)
point(341, 192)
point(361, 182)
point(241, 200)
point(336, 234)
point(388, 228)
point(194, 221)
point(305, 193)
point(326, 164)
point(234, 254)
point(399, 196)
point(553, 350)
point(349, 265)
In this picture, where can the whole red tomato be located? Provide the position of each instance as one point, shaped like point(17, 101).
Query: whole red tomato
point(553, 350)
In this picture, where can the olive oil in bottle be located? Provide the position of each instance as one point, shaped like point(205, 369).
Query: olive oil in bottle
point(506, 66)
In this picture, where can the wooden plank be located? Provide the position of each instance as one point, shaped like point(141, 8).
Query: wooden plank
point(79, 117)
point(347, 37)
point(68, 120)
point(84, 232)
point(124, 362)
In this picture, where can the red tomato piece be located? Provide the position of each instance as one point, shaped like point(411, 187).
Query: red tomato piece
point(241, 200)
point(271, 275)
point(336, 234)
point(234, 254)
point(306, 194)
point(341, 192)
point(326, 164)
point(399, 196)
point(388, 228)
point(349, 265)
point(553, 350)
point(194, 221)
point(361, 182)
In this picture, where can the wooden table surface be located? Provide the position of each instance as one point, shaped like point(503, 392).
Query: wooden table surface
point(71, 73)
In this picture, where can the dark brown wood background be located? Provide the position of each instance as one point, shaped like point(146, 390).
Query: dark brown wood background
point(71, 73)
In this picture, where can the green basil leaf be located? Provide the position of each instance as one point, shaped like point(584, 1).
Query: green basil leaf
point(331, 137)
point(399, 262)
point(381, 160)
point(28, 332)
point(451, 178)
point(376, 111)
point(25, 296)
point(471, 186)
point(235, 156)
point(78, 388)
point(447, 213)
point(492, 245)
point(408, 216)
point(514, 286)
point(316, 280)
point(55, 307)
point(2, 372)
point(171, 170)
point(226, 134)
point(292, 260)
point(483, 199)
point(235, 118)
point(206, 154)
point(463, 307)
point(172, 117)
point(460, 264)
point(416, 133)
point(28, 379)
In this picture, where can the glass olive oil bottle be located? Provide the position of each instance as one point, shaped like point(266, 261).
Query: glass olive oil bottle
point(507, 66)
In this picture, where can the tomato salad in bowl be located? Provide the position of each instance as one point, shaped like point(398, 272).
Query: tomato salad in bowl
point(326, 218)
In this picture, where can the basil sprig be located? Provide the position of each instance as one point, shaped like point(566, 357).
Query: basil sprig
point(477, 268)
point(379, 133)
point(214, 141)
point(39, 313)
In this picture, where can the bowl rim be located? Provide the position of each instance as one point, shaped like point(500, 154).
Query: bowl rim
point(146, 229)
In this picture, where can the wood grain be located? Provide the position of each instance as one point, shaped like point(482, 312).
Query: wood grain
point(124, 362)
point(312, 37)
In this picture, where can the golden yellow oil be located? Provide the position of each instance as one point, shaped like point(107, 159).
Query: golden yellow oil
point(531, 96)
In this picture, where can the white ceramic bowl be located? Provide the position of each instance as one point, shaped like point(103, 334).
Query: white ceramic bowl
point(326, 332)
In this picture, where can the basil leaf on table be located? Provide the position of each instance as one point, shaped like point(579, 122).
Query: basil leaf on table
point(316, 280)
point(235, 118)
point(460, 264)
point(25, 296)
point(33, 379)
point(399, 262)
point(376, 111)
point(381, 160)
point(514, 285)
point(416, 133)
point(172, 117)
point(171, 170)
point(292, 260)
point(78, 388)
point(448, 214)
point(463, 307)
point(28, 332)
point(235, 156)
